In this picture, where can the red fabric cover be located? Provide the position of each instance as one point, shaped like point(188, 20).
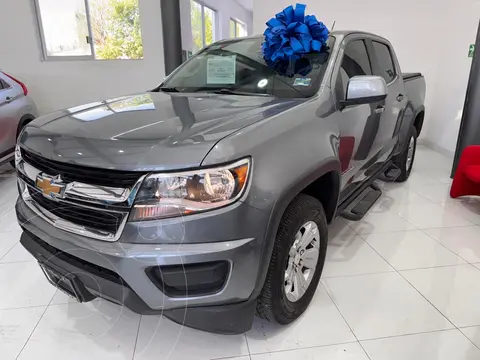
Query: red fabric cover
point(346, 146)
point(467, 177)
point(472, 173)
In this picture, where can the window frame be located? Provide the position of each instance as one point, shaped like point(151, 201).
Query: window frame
point(43, 42)
point(3, 83)
point(339, 60)
point(377, 66)
point(214, 24)
point(236, 21)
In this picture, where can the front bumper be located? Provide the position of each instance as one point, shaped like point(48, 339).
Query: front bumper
point(116, 271)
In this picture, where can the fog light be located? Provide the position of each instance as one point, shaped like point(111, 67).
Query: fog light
point(190, 279)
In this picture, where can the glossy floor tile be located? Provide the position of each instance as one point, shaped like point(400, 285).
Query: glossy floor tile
point(162, 339)
point(412, 250)
point(381, 223)
point(351, 255)
point(7, 241)
point(23, 285)
point(17, 254)
point(382, 305)
point(16, 325)
point(430, 215)
point(441, 345)
point(8, 219)
point(463, 241)
point(453, 290)
point(321, 324)
point(467, 208)
point(339, 227)
point(399, 279)
point(83, 331)
point(352, 351)
point(473, 333)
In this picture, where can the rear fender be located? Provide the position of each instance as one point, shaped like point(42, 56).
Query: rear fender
point(408, 120)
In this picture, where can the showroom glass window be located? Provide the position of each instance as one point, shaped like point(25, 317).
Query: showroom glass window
point(203, 20)
point(237, 29)
point(355, 62)
point(90, 29)
point(385, 61)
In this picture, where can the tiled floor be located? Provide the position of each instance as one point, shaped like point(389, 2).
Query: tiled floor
point(403, 283)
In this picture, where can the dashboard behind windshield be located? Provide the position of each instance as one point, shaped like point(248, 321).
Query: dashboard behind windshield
point(238, 66)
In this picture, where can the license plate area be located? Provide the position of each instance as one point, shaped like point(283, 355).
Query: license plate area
point(67, 283)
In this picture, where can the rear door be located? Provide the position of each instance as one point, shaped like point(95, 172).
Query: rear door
point(385, 64)
point(8, 116)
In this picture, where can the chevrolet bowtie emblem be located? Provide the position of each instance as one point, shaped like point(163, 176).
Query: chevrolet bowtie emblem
point(50, 186)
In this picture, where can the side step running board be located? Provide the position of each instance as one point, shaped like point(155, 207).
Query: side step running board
point(358, 208)
point(391, 174)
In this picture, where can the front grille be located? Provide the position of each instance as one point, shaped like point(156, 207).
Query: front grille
point(104, 221)
point(83, 174)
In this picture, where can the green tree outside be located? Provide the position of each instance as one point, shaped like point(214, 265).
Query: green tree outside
point(197, 29)
point(116, 29)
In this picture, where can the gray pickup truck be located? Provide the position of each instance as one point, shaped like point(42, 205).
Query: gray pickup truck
point(208, 198)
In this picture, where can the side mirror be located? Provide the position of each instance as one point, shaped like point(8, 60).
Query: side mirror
point(365, 90)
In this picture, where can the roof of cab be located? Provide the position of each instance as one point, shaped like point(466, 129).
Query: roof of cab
point(338, 33)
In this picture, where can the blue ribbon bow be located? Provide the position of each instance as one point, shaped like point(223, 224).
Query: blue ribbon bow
point(289, 36)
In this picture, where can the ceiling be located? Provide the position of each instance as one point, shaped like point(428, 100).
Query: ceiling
point(247, 4)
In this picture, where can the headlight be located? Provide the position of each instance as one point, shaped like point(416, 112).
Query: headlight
point(178, 194)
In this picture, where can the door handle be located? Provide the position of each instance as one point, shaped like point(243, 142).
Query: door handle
point(400, 97)
point(379, 109)
point(8, 99)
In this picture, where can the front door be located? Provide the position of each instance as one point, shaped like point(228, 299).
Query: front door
point(360, 140)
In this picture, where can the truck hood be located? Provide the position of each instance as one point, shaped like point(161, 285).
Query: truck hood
point(147, 131)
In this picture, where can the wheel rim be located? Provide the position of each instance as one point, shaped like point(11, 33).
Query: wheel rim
point(302, 261)
point(410, 153)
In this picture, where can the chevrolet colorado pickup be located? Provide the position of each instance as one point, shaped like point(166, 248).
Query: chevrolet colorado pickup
point(208, 198)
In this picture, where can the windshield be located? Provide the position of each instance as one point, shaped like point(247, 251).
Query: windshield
point(237, 66)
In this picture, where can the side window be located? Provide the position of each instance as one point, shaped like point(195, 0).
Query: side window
point(385, 61)
point(355, 62)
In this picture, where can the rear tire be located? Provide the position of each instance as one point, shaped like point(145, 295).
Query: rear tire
point(404, 161)
point(280, 301)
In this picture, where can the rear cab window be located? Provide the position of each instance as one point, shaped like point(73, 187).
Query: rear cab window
point(386, 65)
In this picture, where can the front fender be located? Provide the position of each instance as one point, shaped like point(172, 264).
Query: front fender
point(331, 164)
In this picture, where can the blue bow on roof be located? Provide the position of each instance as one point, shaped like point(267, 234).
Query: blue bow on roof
point(289, 36)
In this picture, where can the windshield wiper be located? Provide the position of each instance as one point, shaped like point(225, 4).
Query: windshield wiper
point(169, 89)
point(234, 92)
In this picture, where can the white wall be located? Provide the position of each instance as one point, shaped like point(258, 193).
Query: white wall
point(429, 36)
point(225, 10)
point(59, 84)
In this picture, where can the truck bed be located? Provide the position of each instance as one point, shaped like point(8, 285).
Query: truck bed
point(411, 76)
point(415, 88)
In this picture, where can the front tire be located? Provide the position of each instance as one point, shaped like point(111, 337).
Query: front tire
point(296, 263)
point(404, 160)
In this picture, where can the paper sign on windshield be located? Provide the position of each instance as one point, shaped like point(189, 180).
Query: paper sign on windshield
point(221, 69)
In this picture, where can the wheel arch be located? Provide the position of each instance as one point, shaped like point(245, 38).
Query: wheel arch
point(419, 119)
point(25, 119)
point(328, 171)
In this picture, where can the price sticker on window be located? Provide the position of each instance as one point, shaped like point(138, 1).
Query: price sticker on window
point(221, 69)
